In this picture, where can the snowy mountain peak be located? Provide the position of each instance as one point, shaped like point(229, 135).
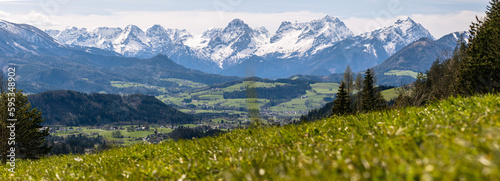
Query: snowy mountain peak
point(405, 20)
point(330, 18)
point(237, 23)
point(230, 45)
point(156, 30)
point(396, 36)
point(456, 37)
point(233, 32)
point(133, 29)
point(304, 38)
point(237, 26)
point(410, 30)
point(285, 25)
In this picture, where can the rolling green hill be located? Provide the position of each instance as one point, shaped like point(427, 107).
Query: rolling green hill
point(449, 140)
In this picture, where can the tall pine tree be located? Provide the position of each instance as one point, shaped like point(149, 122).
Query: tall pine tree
point(29, 139)
point(372, 99)
point(342, 104)
point(480, 71)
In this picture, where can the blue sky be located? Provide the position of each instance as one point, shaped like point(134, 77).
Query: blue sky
point(439, 16)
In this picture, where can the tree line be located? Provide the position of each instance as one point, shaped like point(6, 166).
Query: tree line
point(473, 68)
point(355, 95)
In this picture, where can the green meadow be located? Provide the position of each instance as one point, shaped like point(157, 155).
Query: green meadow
point(454, 139)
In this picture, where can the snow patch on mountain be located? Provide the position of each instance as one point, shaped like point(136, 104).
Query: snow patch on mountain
point(297, 39)
point(131, 41)
point(229, 45)
point(394, 37)
point(15, 38)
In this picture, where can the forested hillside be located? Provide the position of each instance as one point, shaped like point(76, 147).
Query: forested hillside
point(79, 109)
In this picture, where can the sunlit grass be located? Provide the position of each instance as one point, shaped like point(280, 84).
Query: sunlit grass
point(457, 139)
point(325, 88)
point(390, 94)
point(187, 83)
point(242, 86)
point(402, 73)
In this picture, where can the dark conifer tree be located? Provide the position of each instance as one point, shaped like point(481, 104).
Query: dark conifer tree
point(342, 104)
point(480, 71)
point(371, 98)
point(29, 139)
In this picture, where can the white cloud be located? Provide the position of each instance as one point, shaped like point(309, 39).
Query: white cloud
point(198, 21)
point(440, 25)
point(33, 18)
point(194, 21)
point(4, 14)
point(37, 19)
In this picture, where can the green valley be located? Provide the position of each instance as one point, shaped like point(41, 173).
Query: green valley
point(212, 99)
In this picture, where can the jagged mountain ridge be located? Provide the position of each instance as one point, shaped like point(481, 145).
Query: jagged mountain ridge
point(306, 38)
point(44, 64)
point(360, 52)
point(319, 47)
point(134, 42)
point(369, 49)
point(224, 47)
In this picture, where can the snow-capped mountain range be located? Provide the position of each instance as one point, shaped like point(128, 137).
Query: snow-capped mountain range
point(322, 46)
point(131, 41)
point(366, 50)
point(396, 36)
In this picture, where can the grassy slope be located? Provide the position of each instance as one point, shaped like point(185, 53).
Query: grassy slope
point(454, 139)
point(390, 94)
point(402, 73)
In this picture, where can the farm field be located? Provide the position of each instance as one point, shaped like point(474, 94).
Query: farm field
point(129, 138)
point(213, 99)
point(402, 73)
